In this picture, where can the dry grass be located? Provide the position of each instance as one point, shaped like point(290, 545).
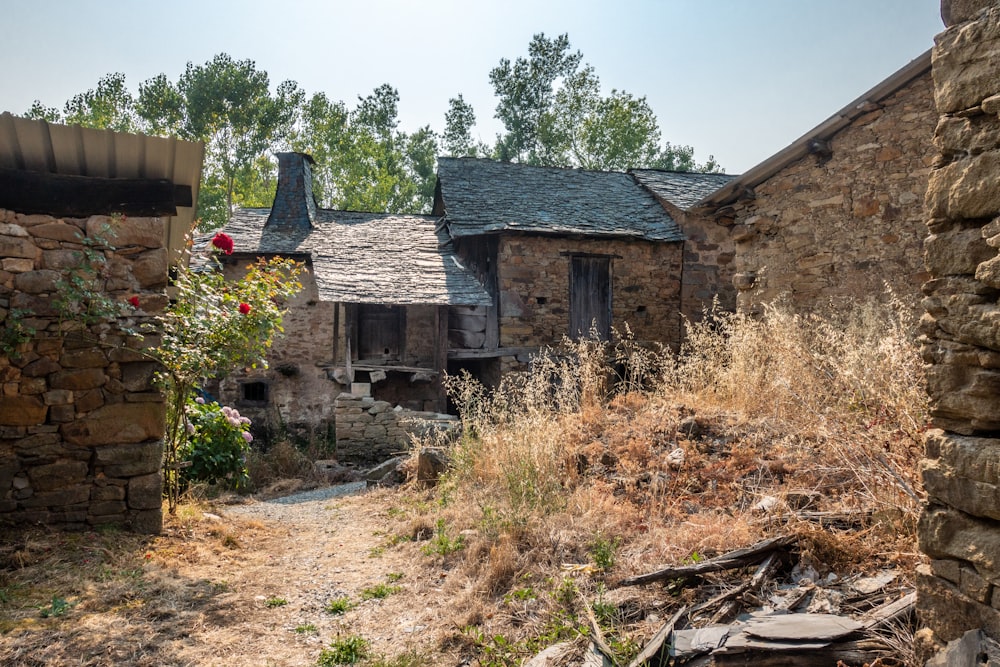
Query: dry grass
point(674, 454)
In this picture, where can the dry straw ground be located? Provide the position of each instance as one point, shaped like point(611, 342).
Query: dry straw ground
point(566, 480)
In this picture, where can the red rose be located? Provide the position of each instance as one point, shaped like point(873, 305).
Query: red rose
point(245, 308)
point(223, 242)
point(134, 301)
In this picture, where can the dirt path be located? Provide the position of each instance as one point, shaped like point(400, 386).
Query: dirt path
point(249, 585)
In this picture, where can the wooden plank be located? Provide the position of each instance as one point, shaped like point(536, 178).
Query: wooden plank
point(441, 357)
point(888, 613)
point(490, 353)
point(734, 559)
point(655, 645)
point(63, 195)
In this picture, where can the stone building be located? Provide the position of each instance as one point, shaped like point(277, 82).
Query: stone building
point(839, 212)
point(561, 252)
point(372, 318)
point(513, 259)
point(81, 424)
point(960, 528)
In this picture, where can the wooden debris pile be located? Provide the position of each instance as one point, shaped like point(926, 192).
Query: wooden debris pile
point(778, 615)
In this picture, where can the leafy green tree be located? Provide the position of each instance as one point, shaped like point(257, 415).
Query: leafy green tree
point(228, 104)
point(110, 106)
point(363, 161)
point(554, 114)
point(526, 89)
point(39, 111)
point(457, 139)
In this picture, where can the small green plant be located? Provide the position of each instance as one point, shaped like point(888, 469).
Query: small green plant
point(273, 602)
point(306, 629)
point(394, 576)
point(603, 551)
point(57, 607)
point(338, 606)
point(408, 659)
point(344, 651)
point(520, 595)
point(441, 544)
point(379, 591)
point(14, 332)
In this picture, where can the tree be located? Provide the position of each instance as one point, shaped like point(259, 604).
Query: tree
point(228, 105)
point(526, 89)
point(457, 140)
point(110, 106)
point(363, 162)
point(554, 114)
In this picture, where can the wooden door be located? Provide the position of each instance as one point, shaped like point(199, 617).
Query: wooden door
point(590, 297)
point(380, 332)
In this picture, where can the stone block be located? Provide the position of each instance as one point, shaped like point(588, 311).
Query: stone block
point(966, 61)
point(946, 568)
point(146, 232)
point(58, 231)
point(16, 246)
point(84, 358)
point(949, 533)
point(89, 400)
point(963, 472)
point(145, 492)
point(117, 423)
point(949, 613)
point(61, 259)
point(138, 376)
point(62, 497)
point(58, 397)
point(960, 11)
point(361, 388)
point(37, 282)
point(107, 507)
point(78, 379)
point(22, 411)
point(966, 188)
point(957, 252)
point(146, 522)
point(967, 135)
point(17, 264)
point(967, 398)
point(150, 269)
point(57, 475)
point(61, 414)
point(129, 460)
point(108, 492)
point(975, 586)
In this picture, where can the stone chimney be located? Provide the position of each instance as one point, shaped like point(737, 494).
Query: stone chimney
point(294, 206)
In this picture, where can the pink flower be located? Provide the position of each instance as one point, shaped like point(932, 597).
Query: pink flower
point(247, 437)
point(245, 308)
point(200, 400)
point(134, 301)
point(223, 242)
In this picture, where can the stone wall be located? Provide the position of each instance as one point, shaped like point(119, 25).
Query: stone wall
point(370, 431)
point(709, 262)
point(843, 224)
point(534, 274)
point(81, 425)
point(960, 527)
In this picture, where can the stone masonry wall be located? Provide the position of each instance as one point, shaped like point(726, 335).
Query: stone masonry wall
point(960, 527)
point(300, 395)
point(81, 425)
point(843, 225)
point(534, 288)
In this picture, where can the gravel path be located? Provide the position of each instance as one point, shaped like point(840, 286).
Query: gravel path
point(298, 507)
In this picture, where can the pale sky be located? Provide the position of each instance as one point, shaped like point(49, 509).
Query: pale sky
point(738, 79)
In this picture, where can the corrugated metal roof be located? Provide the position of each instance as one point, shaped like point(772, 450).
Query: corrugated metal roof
point(485, 196)
point(378, 258)
point(731, 191)
point(36, 145)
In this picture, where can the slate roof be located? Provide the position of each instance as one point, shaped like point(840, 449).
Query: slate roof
point(486, 197)
point(376, 258)
point(680, 188)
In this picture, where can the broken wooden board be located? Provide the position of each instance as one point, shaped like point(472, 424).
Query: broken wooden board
point(801, 627)
point(734, 559)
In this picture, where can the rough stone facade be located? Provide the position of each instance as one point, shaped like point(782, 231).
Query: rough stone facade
point(960, 588)
point(846, 220)
point(534, 280)
point(81, 425)
point(709, 263)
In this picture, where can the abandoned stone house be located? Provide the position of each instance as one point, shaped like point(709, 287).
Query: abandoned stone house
point(81, 424)
point(512, 259)
point(839, 212)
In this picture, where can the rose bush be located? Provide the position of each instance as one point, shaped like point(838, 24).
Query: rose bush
point(217, 444)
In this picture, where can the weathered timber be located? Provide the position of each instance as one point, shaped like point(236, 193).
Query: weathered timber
point(79, 196)
point(491, 353)
point(734, 559)
point(852, 653)
point(890, 612)
point(764, 571)
point(655, 645)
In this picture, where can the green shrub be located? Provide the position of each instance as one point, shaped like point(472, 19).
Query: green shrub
point(218, 446)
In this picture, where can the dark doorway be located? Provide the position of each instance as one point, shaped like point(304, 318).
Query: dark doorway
point(590, 297)
point(380, 332)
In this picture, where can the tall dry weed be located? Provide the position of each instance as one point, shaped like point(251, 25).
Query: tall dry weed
point(849, 376)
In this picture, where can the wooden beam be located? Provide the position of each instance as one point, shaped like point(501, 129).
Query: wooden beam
point(79, 196)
